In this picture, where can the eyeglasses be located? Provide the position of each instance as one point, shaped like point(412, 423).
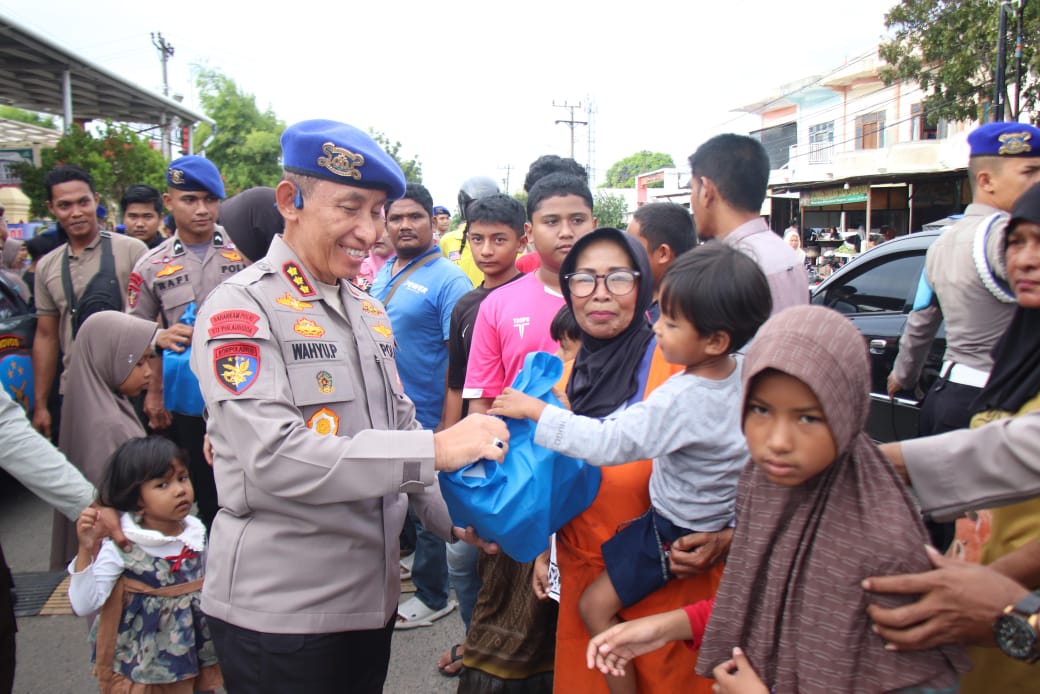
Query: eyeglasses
point(617, 282)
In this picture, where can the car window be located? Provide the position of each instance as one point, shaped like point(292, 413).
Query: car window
point(886, 285)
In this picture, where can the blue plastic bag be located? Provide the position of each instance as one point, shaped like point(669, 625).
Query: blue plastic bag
point(181, 392)
point(534, 492)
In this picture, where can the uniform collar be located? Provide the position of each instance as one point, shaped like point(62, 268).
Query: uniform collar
point(217, 241)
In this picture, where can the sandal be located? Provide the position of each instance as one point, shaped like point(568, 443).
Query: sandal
point(454, 656)
point(414, 613)
point(406, 567)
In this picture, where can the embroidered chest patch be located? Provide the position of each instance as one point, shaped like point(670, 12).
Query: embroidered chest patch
point(324, 422)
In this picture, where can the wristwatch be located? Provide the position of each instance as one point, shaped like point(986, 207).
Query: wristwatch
point(1017, 630)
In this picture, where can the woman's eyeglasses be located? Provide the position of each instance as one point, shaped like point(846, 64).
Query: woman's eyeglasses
point(617, 282)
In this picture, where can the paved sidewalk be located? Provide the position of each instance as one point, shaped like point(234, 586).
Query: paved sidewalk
point(53, 656)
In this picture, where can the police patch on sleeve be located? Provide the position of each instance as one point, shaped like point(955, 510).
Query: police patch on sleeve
point(233, 322)
point(133, 290)
point(236, 366)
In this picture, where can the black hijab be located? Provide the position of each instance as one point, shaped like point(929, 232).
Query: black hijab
point(606, 372)
point(1015, 378)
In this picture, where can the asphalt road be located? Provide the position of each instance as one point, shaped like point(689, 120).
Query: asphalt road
point(53, 655)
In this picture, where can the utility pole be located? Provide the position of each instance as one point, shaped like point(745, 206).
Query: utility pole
point(165, 53)
point(570, 123)
point(1018, 58)
point(508, 168)
point(1000, 83)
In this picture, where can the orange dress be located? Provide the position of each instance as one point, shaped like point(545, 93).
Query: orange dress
point(624, 494)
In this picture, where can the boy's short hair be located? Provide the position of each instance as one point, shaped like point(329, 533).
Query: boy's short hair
point(552, 163)
point(557, 185)
point(64, 174)
point(141, 194)
point(738, 165)
point(418, 193)
point(718, 289)
point(666, 222)
point(564, 325)
point(497, 209)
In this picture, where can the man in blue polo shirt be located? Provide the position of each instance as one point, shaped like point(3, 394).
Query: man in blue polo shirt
point(419, 288)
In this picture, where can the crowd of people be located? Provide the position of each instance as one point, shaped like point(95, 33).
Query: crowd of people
point(252, 413)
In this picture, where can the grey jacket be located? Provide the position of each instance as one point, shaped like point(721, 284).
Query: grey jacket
point(316, 453)
point(994, 465)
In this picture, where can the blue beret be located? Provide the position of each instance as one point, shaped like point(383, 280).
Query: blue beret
point(1005, 140)
point(340, 153)
point(195, 173)
point(440, 209)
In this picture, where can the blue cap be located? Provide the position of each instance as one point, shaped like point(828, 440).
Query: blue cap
point(340, 153)
point(195, 173)
point(440, 209)
point(1005, 140)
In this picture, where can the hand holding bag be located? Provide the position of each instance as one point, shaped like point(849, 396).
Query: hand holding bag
point(534, 492)
point(181, 391)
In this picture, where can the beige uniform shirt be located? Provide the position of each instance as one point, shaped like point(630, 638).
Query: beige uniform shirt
point(50, 292)
point(317, 451)
point(172, 275)
point(975, 318)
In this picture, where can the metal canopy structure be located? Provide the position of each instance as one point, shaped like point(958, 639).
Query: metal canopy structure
point(38, 74)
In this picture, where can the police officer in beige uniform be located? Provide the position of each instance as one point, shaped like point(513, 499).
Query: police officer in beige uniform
point(964, 280)
point(317, 451)
point(73, 200)
point(184, 269)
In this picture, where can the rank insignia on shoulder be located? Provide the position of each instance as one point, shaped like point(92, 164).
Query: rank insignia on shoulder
point(308, 328)
point(169, 270)
point(294, 273)
point(324, 422)
point(233, 256)
point(370, 308)
point(293, 303)
point(233, 322)
point(236, 366)
point(384, 330)
point(325, 384)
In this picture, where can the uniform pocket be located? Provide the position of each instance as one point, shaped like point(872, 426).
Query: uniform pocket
point(320, 382)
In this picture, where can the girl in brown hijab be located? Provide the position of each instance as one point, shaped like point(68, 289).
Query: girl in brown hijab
point(109, 365)
point(818, 511)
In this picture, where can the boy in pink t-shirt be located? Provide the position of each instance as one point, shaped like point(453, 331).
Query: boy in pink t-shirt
point(515, 319)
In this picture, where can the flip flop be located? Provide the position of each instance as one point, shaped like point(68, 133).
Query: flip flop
point(455, 657)
point(413, 613)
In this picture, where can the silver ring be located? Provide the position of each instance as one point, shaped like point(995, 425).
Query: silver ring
point(498, 443)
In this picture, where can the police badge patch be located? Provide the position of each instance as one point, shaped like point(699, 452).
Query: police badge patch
point(236, 366)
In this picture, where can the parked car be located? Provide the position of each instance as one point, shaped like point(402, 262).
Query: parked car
point(17, 329)
point(876, 291)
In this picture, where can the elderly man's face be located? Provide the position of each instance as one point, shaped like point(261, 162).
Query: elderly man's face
point(335, 228)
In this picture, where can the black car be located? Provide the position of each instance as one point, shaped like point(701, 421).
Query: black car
point(876, 291)
point(17, 328)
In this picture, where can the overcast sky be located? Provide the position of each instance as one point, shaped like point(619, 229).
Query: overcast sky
point(469, 87)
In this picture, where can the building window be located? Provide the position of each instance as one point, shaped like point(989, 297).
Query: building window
point(870, 130)
point(821, 142)
point(919, 128)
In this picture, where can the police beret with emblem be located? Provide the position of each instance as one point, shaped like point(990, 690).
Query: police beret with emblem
point(195, 173)
point(341, 153)
point(1005, 140)
point(440, 209)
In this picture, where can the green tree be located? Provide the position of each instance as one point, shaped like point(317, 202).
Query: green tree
point(950, 48)
point(623, 173)
point(31, 117)
point(247, 147)
point(116, 158)
point(609, 210)
point(412, 168)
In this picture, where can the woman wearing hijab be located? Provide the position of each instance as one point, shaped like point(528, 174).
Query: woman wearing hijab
point(13, 254)
point(617, 365)
point(108, 366)
point(1013, 389)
